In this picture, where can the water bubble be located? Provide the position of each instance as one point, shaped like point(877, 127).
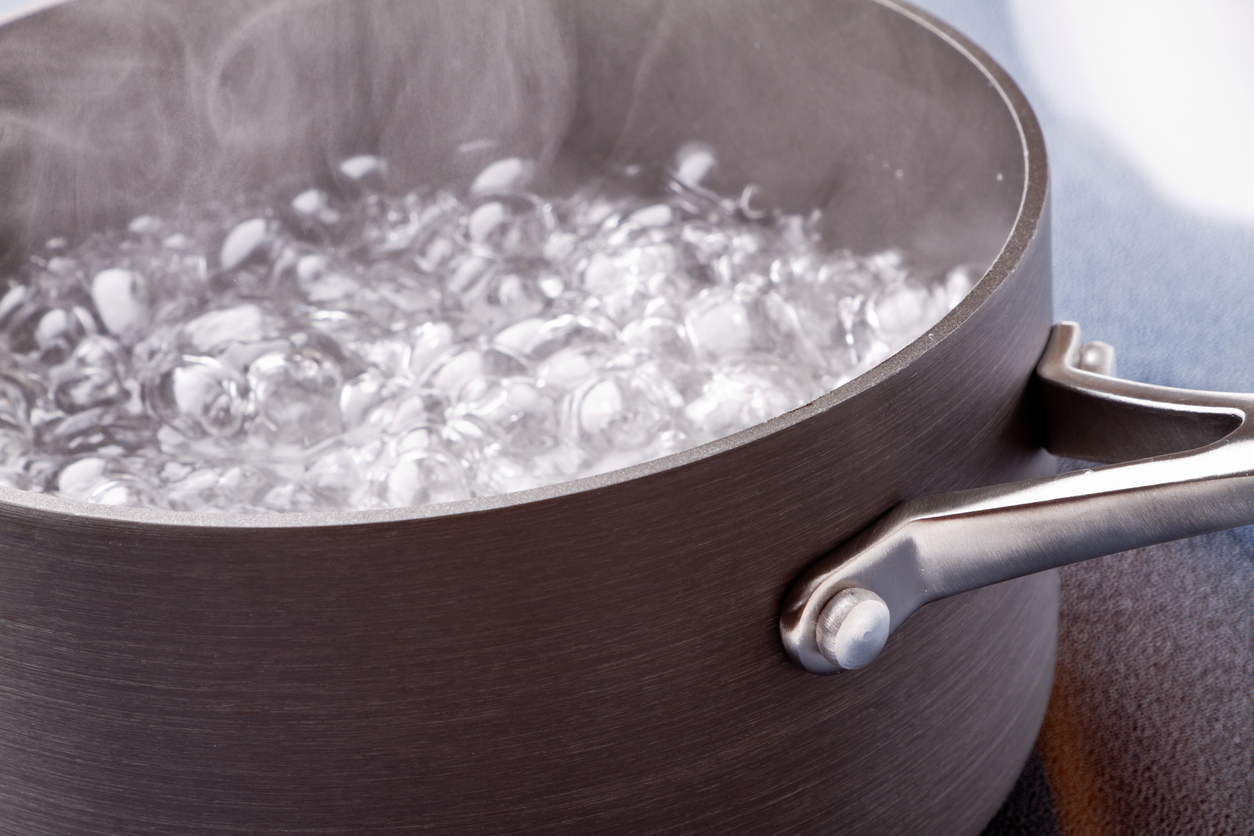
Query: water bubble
point(452, 372)
point(521, 414)
point(361, 166)
point(521, 338)
point(503, 175)
point(62, 266)
point(750, 205)
point(15, 399)
point(602, 275)
point(21, 324)
point(468, 273)
point(106, 482)
point(428, 464)
point(616, 410)
point(424, 475)
point(658, 335)
point(569, 331)
point(338, 474)
point(835, 304)
point(512, 225)
point(13, 298)
point(323, 284)
point(693, 162)
point(898, 310)
point(501, 297)
point(399, 226)
point(617, 290)
point(729, 322)
point(467, 440)
point(310, 267)
point(288, 496)
point(463, 364)
point(201, 397)
point(430, 341)
point(57, 332)
point(350, 329)
point(121, 300)
point(570, 367)
point(187, 488)
point(486, 220)
point(657, 215)
point(360, 396)
point(145, 225)
point(94, 375)
point(129, 490)
point(310, 202)
point(399, 411)
point(414, 296)
point(673, 382)
point(205, 488)
point(15, 447)
point(500, 472)
point(311, 217)
point(78, 478)
point(296, 395)
point(958, 283)
point(436, 254)
point(243, 323)
point(744, 392)
point(560, 245)
point(241, 242)
point(97, 428)
point(389, 355)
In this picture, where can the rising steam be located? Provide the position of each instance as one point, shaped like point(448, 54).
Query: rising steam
point(109, 108)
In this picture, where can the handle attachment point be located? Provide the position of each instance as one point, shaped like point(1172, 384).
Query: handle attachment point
point(1098, 358)
point(852, 628)
point(1188, 469)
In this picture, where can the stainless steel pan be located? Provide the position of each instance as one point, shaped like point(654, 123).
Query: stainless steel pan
point(602, 655)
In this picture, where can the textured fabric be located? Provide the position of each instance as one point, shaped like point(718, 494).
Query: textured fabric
point(1029, 811)
point(1151, 724)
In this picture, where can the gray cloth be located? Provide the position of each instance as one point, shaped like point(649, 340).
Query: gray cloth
point(1151, 725)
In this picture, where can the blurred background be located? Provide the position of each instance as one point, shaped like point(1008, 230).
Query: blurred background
point(1148, 113)
point(1147, 108)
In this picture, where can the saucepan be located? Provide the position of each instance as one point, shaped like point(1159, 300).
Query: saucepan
point(605, 654)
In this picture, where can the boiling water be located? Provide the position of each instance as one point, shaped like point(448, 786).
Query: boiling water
point(365, 350)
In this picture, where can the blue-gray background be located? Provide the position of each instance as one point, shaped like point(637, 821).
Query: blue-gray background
point(1156, 656)
point(1169, 287)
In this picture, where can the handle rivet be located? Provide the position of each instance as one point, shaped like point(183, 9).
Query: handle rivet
point(852, 628)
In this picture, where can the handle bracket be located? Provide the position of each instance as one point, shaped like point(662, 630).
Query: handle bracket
point(1193, 473)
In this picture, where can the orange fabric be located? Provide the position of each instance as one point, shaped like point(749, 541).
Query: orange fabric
point(1074, 775)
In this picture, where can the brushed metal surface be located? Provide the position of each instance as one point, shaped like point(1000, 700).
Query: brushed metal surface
point(937, 546)
point(600, 656)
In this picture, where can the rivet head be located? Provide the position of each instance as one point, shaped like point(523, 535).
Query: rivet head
point(852, 628)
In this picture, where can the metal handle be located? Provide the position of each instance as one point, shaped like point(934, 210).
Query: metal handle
point(842, 609)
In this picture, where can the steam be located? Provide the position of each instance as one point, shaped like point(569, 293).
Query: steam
point(114, 108)
point(110, 108)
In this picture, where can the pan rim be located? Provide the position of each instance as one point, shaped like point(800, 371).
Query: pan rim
point(1031, 213)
